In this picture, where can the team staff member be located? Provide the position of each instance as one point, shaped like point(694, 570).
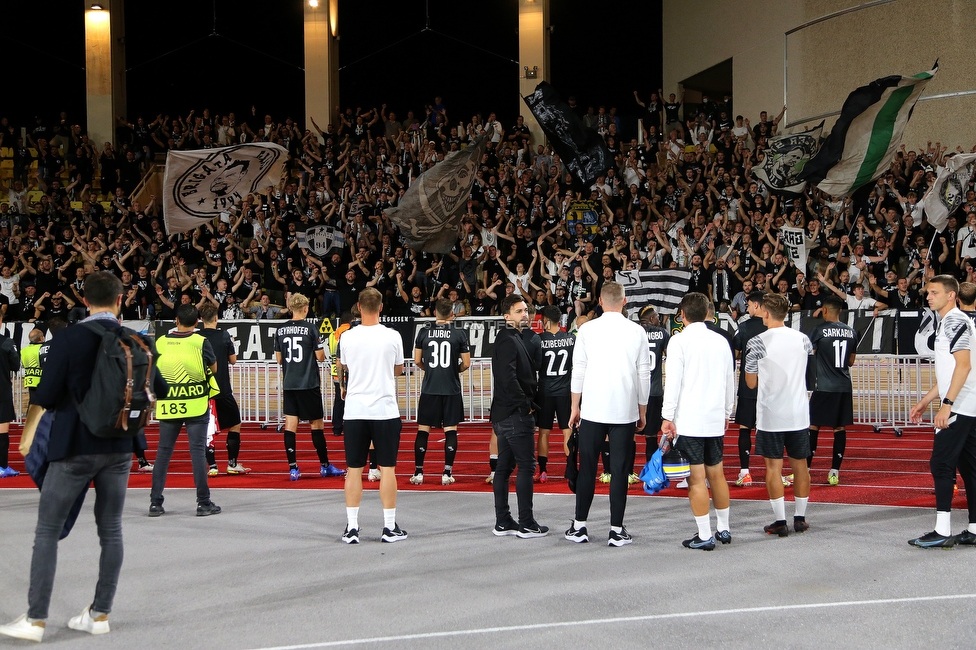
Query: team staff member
point(611, 365)
point(513, 422)
point(954, 444)
point(554, 384)
point(372, 359)
point(77, 459)
point(31, 361)
point(299, 351)
point(339, 404)
point(745, 410)
point(9, 363)
point(442, 351)
point(776, 363)
point(228, 413)
point(832, 403)
point(698, 400)
point(184, 358)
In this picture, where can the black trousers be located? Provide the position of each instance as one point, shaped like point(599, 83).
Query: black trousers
point(952, 447)
point(516, 448)
point(591, 438)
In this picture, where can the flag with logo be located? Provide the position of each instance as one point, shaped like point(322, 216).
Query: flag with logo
point(661, 288)
point(785, 158)
point(581, 149)
point(949, 192)
point(200, 185)
point(431, 209)
point(865, 138)
point(319, 240)
point(795, 245)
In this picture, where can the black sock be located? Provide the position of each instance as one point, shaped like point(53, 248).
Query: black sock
point(450, 448)
point(493, 462)
point(420, 450)
point(745, 444)
point(4, 450)
point(814, 438)
point(372, 459)
point(290, 448)
point(211, 457)
point(543, 461)
point(318, 440)
point(141, 457)
point(233, 446)
point(840, 446)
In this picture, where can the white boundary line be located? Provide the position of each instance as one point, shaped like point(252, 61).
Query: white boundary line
point(621, 619)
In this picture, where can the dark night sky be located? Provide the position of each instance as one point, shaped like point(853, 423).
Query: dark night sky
point(468, 56)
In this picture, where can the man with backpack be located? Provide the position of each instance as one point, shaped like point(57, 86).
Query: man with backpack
point(183, 359)
point(77, 457)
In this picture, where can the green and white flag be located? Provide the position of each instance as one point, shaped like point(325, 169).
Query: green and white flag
point(949, 191)
point(867, 134)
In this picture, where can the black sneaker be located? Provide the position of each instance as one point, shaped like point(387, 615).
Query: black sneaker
point(966, 538)
point(724, 536)
point(578, 536)
point(800, 525)
point(933, 540)
point(504, 528)
point(532, 530)
point(700, 544)
point(156, 510)
point(619, 539)
point(207, 509)
point(395, 535)
point(350, 536)
point(780, 528)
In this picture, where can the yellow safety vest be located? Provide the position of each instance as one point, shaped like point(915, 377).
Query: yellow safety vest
point(333, 346)
point(180, 362)
point(30, 359)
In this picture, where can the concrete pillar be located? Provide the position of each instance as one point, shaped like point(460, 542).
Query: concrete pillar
point(321, 62)
point(104, 68)
point(534, 55)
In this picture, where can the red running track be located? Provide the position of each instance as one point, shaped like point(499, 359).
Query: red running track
point(878, 469)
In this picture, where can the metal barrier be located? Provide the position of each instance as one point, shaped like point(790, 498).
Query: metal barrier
point(885, 389)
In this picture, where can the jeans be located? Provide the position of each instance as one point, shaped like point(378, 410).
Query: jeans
point(591, 438)
point(196, 432)
point(330, 304)
point(64, 482)
point(516, 447)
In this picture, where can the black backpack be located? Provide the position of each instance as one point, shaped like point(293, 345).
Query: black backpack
point(120, 398)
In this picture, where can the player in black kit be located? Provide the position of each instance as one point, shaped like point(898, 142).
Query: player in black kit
point(832, 404)
point(555, 375)
point(657, 344)
point(299, 351)
point(442, 351)
point(745, 407)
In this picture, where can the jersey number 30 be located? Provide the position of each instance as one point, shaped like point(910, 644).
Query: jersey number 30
point(440, 354)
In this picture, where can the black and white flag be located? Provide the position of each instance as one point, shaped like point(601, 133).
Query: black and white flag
point(320, 240)
point(949, 191)
point(662, 288)
point(785, 158)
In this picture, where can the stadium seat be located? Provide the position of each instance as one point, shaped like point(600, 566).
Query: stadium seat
point(6, 152)
point(33, 152)
point(6, 173)
point(77, 205)
point(6, 164)
point(34, 196)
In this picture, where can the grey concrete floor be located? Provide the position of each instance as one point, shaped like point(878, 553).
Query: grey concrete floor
point(270, 571)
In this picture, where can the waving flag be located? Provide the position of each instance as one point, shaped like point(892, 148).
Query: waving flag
point(785, 158)
point(866, 136)
point(949, 191)
point(662, 288)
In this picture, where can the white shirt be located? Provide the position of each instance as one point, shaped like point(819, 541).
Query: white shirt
point(779, 357)
point(371, 352)
point(611, 369)
point(955, 333)
point(700, 389)
point(863, 303)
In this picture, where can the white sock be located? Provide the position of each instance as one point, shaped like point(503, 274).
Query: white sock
point(743, 472)
point(617, 529)
point(721, 519)
point(972, 528)
point(704, 527)
point(779, 508)
point(389, 518)
point(943, 524)
point(352, 518)
point(801, 506)
point(579, 525)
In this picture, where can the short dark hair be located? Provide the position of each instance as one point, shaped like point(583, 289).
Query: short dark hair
point(948, 283)
point(777, 305)
point(370, 301)
point(208, 313)
point(834, 305)
point(552, 314)
point(509, 301)
point(102, 289)
point(694, 307)
point(756, 297)
point(966, 293)
point(443, 307)
point(187, 315)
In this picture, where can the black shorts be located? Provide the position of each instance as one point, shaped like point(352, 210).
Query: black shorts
point(831, 409)
point(745, 412)
point(384, 434)
point(702, 451)
point(555, 406)
point(228, 413)
point(770, 444)
point(440, 410)
point(652, 415)
point(306, 404)
point(6, 409)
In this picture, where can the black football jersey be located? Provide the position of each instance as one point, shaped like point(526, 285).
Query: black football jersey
point(833, 344)
point(747, 329)
point(297, 341)
point(441, 348)
point(556, 373)
point(657, 343)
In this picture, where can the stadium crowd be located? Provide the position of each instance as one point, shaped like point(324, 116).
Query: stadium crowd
point(681, 195)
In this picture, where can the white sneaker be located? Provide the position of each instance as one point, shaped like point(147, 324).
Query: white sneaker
point(417, 479)
point(148, 467)
point(446, 479)
point(683, 485)
point(22, 629)
point(374, 474)
point(237, 469)
point(85, 623)
point(491, 478)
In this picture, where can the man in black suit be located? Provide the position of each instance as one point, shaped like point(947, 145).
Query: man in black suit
point(78, 458)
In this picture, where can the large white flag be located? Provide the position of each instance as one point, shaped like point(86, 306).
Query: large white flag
point(795, 245)
point(663, 288)
point(949, 191)
point(199, 185)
